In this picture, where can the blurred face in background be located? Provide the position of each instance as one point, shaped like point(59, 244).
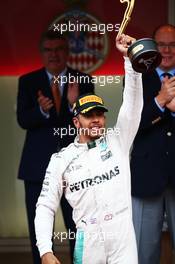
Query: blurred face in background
point(55, 55)
point(165, 38)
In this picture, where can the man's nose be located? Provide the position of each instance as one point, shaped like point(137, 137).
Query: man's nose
point(53, 53)
point(95, 118)
point(166, 48)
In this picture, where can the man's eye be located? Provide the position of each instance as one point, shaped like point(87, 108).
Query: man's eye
point(54, 50)
point(165, 45)
point(88, 114)
point(46, 49)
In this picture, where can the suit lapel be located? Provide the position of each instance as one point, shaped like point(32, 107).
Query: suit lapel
point(152, 83)
point(44, 84)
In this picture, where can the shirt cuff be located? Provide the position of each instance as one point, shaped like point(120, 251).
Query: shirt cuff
point(70, 108)
point(162, 109)
point(46, 115)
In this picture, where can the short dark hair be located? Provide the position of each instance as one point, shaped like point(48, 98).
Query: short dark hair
point(51, 35)
point(160, 27)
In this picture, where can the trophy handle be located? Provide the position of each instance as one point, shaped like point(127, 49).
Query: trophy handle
point(127, 15)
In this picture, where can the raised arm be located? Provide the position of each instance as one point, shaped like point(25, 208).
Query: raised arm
point(130, 111)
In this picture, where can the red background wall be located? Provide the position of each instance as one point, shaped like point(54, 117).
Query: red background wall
point(22, 22)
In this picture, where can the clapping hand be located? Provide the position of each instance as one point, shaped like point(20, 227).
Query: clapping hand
point(44, 102)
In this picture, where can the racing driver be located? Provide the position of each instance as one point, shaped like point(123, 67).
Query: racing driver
point(94, 174)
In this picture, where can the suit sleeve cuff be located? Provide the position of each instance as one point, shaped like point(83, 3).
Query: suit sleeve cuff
point(46, 115)
point(162, 109)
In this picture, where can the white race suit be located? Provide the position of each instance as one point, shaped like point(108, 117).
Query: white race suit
point(96, 183)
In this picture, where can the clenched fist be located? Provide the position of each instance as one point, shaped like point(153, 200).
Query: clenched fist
point(123, 42)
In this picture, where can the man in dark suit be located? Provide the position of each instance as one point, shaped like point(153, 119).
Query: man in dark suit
point(43, 109)
point(153, 154)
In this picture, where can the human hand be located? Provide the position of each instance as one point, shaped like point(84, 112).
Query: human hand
point(72, 93)
point(49, 258)
point(171, 105)
point(44, 102)
point(167, 92)
point(123, 42)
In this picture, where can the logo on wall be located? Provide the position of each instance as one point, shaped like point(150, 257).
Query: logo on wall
point(88, 43)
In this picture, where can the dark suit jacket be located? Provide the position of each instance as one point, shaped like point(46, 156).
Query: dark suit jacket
point(153, 154)
point(40, 141)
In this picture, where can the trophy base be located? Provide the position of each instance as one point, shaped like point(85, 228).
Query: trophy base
point(144, 55)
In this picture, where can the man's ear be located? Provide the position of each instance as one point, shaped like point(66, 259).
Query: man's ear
point(76, 122)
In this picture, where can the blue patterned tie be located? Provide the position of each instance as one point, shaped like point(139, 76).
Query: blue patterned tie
point(169, 75)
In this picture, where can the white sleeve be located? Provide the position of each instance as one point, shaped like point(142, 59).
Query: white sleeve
point(131, 108)
point(47, 205)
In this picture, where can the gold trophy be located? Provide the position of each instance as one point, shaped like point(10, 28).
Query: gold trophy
point(143, 53)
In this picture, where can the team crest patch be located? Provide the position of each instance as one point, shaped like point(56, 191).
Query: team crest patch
point(88, 47)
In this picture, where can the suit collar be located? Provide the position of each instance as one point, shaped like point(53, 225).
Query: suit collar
point(50, 76)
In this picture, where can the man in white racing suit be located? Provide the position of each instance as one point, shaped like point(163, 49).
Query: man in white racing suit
point(94, 174)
